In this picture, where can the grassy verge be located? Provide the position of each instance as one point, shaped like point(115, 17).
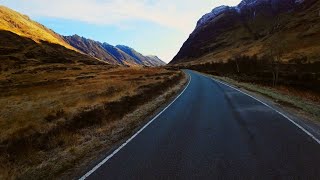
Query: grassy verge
point(56, 118)
point(285, 98)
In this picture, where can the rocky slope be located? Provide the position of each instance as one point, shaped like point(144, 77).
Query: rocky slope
point(255, 27)
point(120, 55)
point(90, 47)
point(139, 58)
point(155, 60)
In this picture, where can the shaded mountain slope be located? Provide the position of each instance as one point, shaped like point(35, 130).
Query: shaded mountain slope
point(120, 55)
point(155, 60)
point(139, 58)
point(90, 47)
point(255, 28)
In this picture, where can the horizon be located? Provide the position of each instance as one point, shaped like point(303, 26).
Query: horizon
point(151, 28)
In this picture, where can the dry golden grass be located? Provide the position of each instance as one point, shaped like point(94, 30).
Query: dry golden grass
point(52, 116)
point(22, 25)
point(60, 108)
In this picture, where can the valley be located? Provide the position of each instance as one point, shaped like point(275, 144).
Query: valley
point(241, 98)
point(66, 100)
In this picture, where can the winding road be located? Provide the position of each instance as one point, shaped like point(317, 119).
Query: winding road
point(213, 131)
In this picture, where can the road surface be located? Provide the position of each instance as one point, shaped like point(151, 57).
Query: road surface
point(214, 132)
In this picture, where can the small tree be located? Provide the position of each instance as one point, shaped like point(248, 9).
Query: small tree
point(276, 51)
point(236, 59)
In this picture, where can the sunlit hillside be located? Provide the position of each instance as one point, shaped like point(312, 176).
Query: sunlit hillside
point(22, 25)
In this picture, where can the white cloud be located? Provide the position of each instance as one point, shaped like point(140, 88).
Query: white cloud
point(178, 15)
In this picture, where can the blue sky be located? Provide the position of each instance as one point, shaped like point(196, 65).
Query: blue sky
point(152, 27)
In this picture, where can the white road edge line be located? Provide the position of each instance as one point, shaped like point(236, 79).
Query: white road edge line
point(285, 116)
point(132, 137)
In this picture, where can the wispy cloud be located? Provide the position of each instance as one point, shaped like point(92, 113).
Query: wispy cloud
point(151, 26)
point(177, 14)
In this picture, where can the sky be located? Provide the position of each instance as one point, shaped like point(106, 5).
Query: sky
point(152, 27)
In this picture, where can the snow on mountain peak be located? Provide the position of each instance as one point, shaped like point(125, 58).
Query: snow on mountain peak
point(214, 13)
point(244, 5)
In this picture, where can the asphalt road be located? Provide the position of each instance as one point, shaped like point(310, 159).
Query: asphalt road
point(215, 132)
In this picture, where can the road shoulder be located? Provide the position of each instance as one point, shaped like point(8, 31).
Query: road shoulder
point(310, 122)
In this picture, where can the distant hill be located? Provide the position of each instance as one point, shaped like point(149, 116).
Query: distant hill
point(155, 60)
point(120, 55)
point(139, 58)
point(254, 28)
point(90, 47)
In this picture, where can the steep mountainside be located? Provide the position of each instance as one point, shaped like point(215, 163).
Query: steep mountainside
point(139, 58)
point(255, 27)
point(90, 47)
point(22, 25)
point(155, 60)
point(121, 55)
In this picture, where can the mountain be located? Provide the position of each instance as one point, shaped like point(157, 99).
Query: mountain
point(155, 60)
point(27, 44)
point(46, 41)
point(90, 47)
point(127, 55)
point(22, 25)
point(254, 28)
point(120, 55)
point(139, 58)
